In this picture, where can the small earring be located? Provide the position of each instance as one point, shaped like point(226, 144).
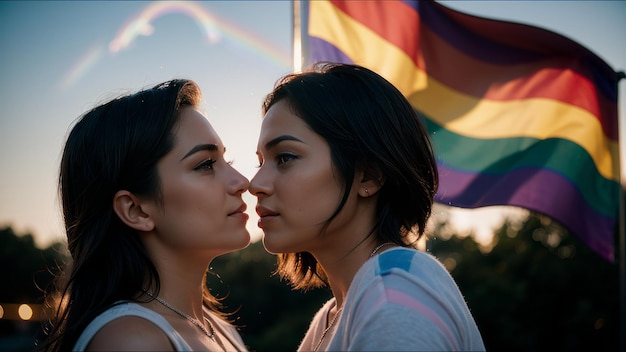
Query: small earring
point(367, 193)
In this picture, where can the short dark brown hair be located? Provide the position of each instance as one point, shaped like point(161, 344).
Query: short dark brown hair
point(368, 125)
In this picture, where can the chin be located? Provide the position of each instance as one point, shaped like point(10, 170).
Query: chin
point(244, 242)
point(231, 249)
point(273, 247)
point(235, 242)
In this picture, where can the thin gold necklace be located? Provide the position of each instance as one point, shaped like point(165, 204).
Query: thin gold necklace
point(379, 247)
point(194, 321)
point(332, 322)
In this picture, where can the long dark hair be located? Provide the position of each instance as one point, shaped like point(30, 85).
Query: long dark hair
point(115, 146)
point(368, 125)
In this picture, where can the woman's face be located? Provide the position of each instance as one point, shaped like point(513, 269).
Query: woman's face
point(296, 187)
point(202, 204)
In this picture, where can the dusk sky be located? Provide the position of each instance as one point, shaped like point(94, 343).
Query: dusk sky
point(60, 59)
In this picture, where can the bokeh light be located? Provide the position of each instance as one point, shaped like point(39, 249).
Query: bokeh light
point(25, 312)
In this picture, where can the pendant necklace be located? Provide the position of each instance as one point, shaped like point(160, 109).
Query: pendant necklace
point(194, 321)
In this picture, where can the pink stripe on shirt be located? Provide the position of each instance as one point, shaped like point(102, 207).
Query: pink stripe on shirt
point(399, 297)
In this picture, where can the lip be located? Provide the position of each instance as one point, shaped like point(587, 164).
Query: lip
point(265, 216)
point(240, 212)
point(264, 212)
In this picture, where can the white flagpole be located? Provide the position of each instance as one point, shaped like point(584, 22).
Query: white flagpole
point(297, 36)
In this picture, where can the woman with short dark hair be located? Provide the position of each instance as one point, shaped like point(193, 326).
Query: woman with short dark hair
point(345, 188)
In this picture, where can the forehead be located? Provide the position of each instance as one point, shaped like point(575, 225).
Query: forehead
point(193, 128)
point(281, 120)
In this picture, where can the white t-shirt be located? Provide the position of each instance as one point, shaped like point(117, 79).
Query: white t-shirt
point(402, 299)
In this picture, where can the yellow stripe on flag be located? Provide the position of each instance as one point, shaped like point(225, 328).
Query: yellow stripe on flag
point(462, 114)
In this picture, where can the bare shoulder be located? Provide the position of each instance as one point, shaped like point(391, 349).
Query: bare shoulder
point(130, 333)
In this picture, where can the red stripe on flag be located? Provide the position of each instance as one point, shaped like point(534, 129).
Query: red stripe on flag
point(478, 78)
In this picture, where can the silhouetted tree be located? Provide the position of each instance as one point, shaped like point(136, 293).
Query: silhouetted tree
point(538, 289)
point(25, 270)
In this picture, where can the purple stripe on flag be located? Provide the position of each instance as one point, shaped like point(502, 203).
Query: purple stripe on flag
point(539, 190)
point(322, 50)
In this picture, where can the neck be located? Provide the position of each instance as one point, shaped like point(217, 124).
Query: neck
point(185, 298)
point(181, 288)
point(342, 266)
point(347, 245)
point(181, 275)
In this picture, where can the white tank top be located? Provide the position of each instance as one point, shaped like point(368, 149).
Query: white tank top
point(129, 309)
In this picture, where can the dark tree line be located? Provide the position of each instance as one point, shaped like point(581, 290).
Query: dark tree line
point(25, 270)
point(537, 289)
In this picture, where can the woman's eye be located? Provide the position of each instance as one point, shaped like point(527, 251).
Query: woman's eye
point(205, 165)
point(284, 158)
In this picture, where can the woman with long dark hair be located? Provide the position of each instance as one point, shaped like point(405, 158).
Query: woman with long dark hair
point(148, 201)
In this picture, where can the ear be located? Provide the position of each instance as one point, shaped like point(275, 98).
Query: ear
point(371, 181)
point(128, 208)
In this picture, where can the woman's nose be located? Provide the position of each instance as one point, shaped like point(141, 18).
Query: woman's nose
point(259, 184)
point(239, 182)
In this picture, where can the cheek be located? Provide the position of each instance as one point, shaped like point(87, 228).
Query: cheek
point(176, 196)
point(312, 199)
point(192, 216)
point(190, 199)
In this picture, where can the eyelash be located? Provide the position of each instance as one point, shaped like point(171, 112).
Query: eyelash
point(280, 158)
point(205, 165)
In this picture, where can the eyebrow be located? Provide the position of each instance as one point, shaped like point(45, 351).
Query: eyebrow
point(201, 147)
point(275, 141)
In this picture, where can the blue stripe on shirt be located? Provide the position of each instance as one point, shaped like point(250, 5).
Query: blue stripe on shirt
point(400, 259)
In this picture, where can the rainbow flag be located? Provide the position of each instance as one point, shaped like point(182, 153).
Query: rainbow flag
point(518, 115)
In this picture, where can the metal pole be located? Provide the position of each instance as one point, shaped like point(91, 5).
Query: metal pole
point(297, 37)
point(621, 262)
point(300, 34)
point(621, 242)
